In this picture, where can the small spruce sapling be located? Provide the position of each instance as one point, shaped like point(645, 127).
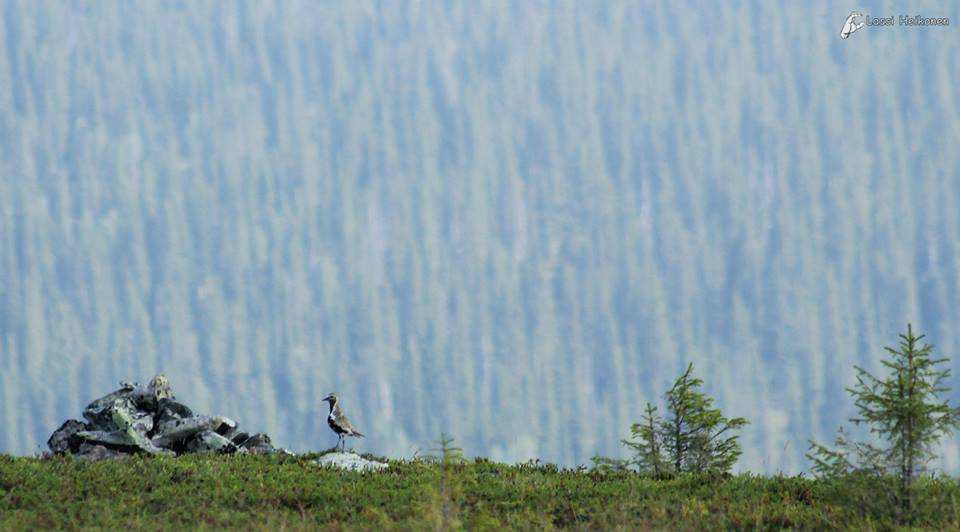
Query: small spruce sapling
point(694, 436)
point(646, 444)
point(449, 458)
point(904, 410)
point(697, 437)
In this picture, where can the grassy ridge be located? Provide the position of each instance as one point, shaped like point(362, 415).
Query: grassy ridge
point(274, 492)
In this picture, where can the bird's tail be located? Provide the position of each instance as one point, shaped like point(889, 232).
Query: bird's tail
point(358, 434)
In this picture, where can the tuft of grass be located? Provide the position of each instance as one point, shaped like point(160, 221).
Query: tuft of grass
point(264, 492)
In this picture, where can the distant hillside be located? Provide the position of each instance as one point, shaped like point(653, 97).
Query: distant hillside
point(515, 222)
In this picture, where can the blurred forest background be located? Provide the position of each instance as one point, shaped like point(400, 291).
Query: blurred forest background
point(511, 221)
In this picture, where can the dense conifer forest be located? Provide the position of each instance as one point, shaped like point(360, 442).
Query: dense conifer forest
point(516, 222)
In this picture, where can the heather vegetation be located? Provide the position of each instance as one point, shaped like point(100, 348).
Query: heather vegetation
point(262, 492)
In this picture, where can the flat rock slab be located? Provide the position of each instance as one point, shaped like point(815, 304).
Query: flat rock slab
point(349, 462)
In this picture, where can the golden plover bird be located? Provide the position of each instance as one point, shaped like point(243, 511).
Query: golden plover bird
point(338, 421)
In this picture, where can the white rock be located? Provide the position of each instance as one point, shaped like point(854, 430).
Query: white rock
point(349, 462)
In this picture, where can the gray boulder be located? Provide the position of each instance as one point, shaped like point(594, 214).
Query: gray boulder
point(258, 444)
point(170, 410)
point(93, 452)
point(65, 440)
point(176, 431)
point(211, 442)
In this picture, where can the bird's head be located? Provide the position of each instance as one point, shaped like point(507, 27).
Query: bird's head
point(331, 398)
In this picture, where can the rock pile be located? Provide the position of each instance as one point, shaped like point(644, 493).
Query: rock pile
point(148, 419)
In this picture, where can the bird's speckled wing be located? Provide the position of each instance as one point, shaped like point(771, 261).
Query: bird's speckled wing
point(347, 426)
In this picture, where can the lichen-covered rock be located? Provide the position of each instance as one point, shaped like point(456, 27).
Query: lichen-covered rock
point(160, 387)
point(99, 413)
point(349, 462)
point(148, 397)
point(122, 427)
point(178, 431)
point(143, 421)
point(210, 442)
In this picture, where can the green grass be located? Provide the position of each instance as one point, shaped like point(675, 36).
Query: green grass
point(290, 492)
